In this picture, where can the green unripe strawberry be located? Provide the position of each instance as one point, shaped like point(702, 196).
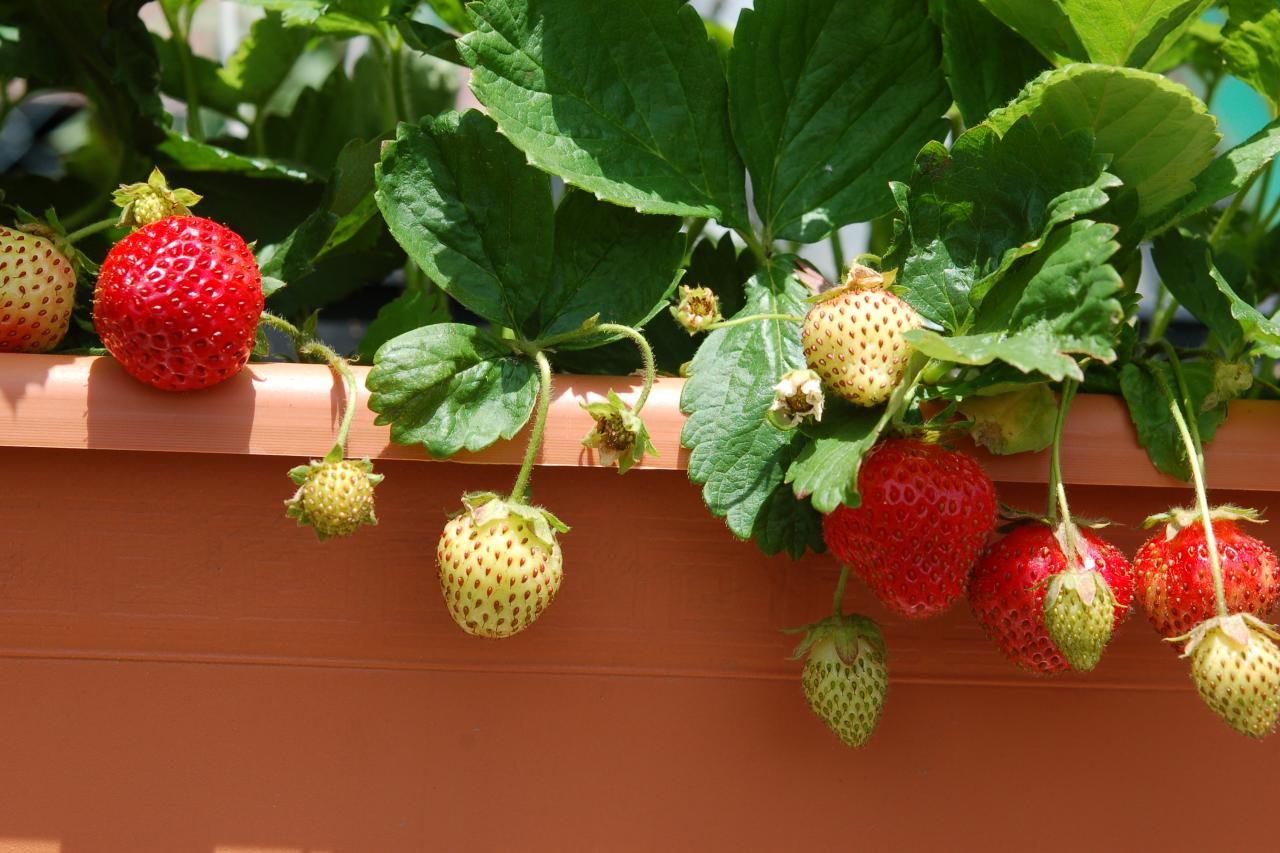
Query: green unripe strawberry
point(1079, 614)
point(854, 338)
point(335, 496)
point(500, 565)
point(1236, 669)
point(845, 678)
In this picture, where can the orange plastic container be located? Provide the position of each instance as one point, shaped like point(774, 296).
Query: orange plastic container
point(186, 670)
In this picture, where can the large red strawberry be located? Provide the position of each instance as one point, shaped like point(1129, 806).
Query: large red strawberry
point(1174, 581)
point(925, 516)
point(37, 291)
point(1009, 583)
point(178, 303)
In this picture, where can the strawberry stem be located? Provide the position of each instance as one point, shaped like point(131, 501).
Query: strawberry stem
point(539, 425)
point(1055, 457)
point(740, 321)
point(837, 603)
point(89, 230)
point(1195, 458)
point(304, 345)
point(646, 353)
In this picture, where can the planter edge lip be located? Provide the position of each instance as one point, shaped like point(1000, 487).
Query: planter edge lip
point(292, 410)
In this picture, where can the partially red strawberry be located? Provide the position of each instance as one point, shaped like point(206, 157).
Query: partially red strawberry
point(37, 292)
point(926, 514)
point(1174, 581)
point(178, 302)
point(1008, 587)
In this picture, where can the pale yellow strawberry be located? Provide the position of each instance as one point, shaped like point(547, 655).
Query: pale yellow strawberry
point(854, 339)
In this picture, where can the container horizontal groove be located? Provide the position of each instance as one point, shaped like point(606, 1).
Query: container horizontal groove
point(86, 402)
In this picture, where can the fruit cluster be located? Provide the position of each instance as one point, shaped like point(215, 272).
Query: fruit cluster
point(1048, 593)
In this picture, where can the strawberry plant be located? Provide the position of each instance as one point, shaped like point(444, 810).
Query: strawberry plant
point(1043, 198)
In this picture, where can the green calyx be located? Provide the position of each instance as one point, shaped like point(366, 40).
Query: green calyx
point(1079, 614)
point(619, 436)
point(487, 508)
point(145, 203)
point(1180, 518)
point(853, 635)
point(334, 496)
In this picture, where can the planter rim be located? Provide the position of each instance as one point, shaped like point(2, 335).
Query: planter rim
point(284, 409)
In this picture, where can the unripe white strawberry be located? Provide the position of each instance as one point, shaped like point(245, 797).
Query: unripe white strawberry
point(854, 339)
point(845, 678)
point(500, 565)
point(1235, 665)
point(37, 292)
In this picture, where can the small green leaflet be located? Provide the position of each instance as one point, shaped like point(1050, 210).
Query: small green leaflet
point(1158, 135)
point(737, 456)
point(826, 469)
point(414, 308)
point(1017, 421)
point(194, 156)
point(830, 101)
point(973, 210)
point(1055, 304)
point(627, 100)
point(1259, 329)
point(1228, 174)
point(451, 387)
point(478, 220)
point(1251, 45)
point(1109, 32)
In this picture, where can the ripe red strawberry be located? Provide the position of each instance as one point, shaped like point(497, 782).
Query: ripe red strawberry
point(926, 515)
point(500, 565)
point(853, 338)
point(1174, 582)
point(845, 678)
point(178, 303)
point(37, 292)
point(1008, 587)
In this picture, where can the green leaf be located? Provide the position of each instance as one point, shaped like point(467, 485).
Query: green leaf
point(1226, 175)
point(826, 469)
point(342, 18)
point(1044, 23)
point(830, 101)
point(263, 59)
point(736, 455)
point(626, 100)
point(1251, 45)
point(609, 261)
point(1199, 46)
point(414, 308)
point(1130, 32)
point(1054, 304)
point(1110, 32)
point(1261, 331)
point(469, 212)
point(1183, 263)
point(186, 153)
point(1149, 411)
point(1159, 136)
point(786, 523)
point(971, 211)
point(451, 387)
point(214, 92)
point(986, 62)
point(1019, 421)
point(452, 13)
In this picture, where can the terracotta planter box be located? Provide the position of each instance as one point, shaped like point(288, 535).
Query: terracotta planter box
point(186, 670)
